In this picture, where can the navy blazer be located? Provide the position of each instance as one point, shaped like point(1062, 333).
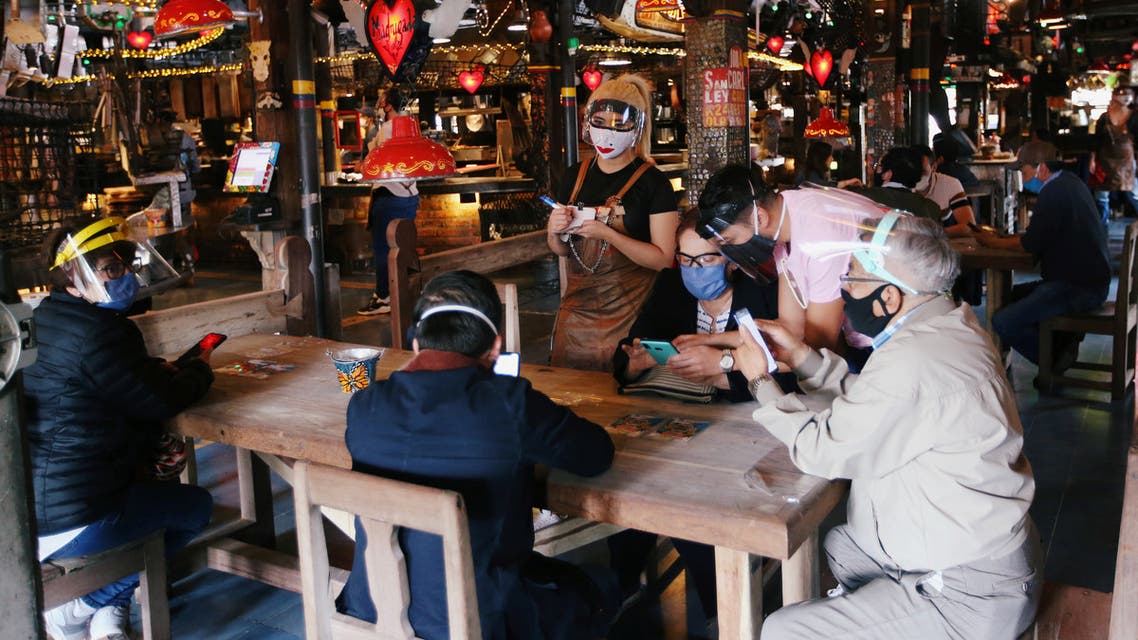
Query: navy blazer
point(670, 311)
point(480, 434)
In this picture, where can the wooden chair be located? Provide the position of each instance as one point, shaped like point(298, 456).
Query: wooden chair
point(383, 506)
point(1118, 319)
point(65, 580)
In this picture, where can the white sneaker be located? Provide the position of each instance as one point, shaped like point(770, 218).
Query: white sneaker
point(111, 623)
point(69, 620)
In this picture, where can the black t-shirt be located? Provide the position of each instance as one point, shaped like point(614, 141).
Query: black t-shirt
point(651, 194)
point(1067, 236)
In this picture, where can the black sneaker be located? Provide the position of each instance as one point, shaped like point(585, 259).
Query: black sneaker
point(375, 306)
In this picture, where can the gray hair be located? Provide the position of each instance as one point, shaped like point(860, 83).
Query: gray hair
point(919, 253)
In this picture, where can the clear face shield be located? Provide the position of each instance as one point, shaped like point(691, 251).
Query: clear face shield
point(107, 265)
point(612, 126)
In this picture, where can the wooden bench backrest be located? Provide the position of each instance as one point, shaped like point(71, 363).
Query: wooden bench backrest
point(175, 330)
point(1123, 609)
point(383, 506)
point(408, 272)
point(1127, 300)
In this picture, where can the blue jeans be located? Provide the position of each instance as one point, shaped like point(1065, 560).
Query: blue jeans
point(1103, 198)
point(182, 510)
point(384, 209)
point(1017, 324)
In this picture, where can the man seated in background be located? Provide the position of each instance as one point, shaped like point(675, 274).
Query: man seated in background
point(938, 543)
point(446, 420)
point(1068, 239)
point(947, 150)
point(895, 176)
point(948, 194)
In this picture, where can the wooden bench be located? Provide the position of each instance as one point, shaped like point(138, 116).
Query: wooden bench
point(65, 580)
point(1124, 605)
point(408, 272)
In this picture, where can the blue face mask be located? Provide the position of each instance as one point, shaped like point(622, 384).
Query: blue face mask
point(1033, 185)
point(705, 283)
point(122, 291)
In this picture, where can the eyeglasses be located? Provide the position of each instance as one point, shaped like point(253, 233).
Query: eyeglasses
point(849, 279)
point(702, 260)
point(118, 268)
point(792, 284)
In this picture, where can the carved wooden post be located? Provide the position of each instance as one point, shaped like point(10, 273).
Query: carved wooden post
point(401, 260)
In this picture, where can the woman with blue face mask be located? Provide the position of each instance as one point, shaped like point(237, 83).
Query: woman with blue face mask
point(692, 305)
point(95, 402)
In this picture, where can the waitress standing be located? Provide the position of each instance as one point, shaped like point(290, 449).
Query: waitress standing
point(612, 260)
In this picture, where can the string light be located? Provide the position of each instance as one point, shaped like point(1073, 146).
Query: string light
point(169, 72)
point(458, 48)
point(158, 54)
point(782, 63)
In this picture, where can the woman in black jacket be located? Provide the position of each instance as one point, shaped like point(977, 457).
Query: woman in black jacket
point(95, 401)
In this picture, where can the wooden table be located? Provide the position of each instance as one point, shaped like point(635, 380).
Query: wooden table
point(999, 264)
point(691, 489)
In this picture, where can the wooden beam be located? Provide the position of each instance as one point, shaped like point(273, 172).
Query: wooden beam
point(174, 330)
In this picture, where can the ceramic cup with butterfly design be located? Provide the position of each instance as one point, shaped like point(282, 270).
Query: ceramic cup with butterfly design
point(355, 367)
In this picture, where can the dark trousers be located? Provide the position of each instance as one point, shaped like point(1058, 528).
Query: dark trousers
point(384, 208)
point(182, 510)
point(631, 550)
point(1017, 323)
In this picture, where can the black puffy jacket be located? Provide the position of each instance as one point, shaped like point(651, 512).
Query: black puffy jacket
point(94, 400)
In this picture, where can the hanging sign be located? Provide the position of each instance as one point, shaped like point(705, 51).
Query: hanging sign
point(390, 29)
point(725, 97)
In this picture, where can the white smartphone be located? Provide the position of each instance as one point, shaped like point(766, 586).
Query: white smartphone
point(508, 364)
point(743, 317)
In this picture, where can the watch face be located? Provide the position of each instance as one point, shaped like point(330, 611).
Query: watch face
point(727, 362)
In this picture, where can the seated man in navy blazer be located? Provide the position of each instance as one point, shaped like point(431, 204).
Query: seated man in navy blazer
point(447, 420)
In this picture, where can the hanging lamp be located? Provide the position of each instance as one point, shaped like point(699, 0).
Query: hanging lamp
point(826, 126)
point(178, 17)
point(407, 155)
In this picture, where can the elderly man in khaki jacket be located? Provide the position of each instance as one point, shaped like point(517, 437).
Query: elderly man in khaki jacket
point(939, 543)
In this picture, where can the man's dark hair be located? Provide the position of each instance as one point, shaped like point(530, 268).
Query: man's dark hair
point(455, 331)
point(733, 184)
point(395, 98)
point(925, 151)
point(946, 148)
point(905, 165)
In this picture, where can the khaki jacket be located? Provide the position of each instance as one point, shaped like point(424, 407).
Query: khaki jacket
point(928, 434)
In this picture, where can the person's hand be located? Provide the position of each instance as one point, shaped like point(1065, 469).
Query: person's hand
point(559, 220)
point(850, 183)
point(169, 366)
point(696, 363)
point(639, 360)
point(725, 340)
point(785, 346)
point(595, 229)
point(205, 355)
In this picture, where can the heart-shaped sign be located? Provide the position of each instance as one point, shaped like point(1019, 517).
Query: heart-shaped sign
point(774, 44)
point(471, 80)
point(592, 78)
point(390, 29)
point(139, 39)
point(820, 65)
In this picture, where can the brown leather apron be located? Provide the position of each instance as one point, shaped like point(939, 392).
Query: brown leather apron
point(603, 295)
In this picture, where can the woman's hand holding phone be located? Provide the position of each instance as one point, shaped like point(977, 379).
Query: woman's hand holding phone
point(639, 360)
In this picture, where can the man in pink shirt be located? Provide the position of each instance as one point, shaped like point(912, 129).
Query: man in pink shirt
point(808, 232)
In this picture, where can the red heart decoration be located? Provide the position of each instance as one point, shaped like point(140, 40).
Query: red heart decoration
point(774, 44)
point(139, 39)
point(820, 65)
point(471, 80)
point(592, 78)
point(390, 29)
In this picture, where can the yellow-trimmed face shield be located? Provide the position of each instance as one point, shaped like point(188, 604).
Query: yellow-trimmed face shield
point(101, 256)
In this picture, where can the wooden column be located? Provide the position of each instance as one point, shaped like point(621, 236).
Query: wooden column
point(717, 127)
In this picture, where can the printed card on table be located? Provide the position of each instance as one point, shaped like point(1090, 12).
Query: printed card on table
point(634, 425)
point(678, 429)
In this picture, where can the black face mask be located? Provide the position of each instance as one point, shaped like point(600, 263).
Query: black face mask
point(860, 312)
point(749, 255)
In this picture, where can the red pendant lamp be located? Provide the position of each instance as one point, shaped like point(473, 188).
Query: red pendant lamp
point(774, 44)
point(826, 126)
point(821, 63)
point(407, 155)
point(178, 17)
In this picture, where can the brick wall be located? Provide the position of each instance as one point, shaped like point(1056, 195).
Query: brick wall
point(442, 222)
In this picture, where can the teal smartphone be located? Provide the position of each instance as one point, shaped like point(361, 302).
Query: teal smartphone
point(660, 350)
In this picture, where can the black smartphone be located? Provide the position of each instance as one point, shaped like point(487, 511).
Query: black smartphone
point(210, 341)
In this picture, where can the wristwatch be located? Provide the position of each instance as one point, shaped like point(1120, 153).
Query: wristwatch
point(753, 385)
point(727, 362)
